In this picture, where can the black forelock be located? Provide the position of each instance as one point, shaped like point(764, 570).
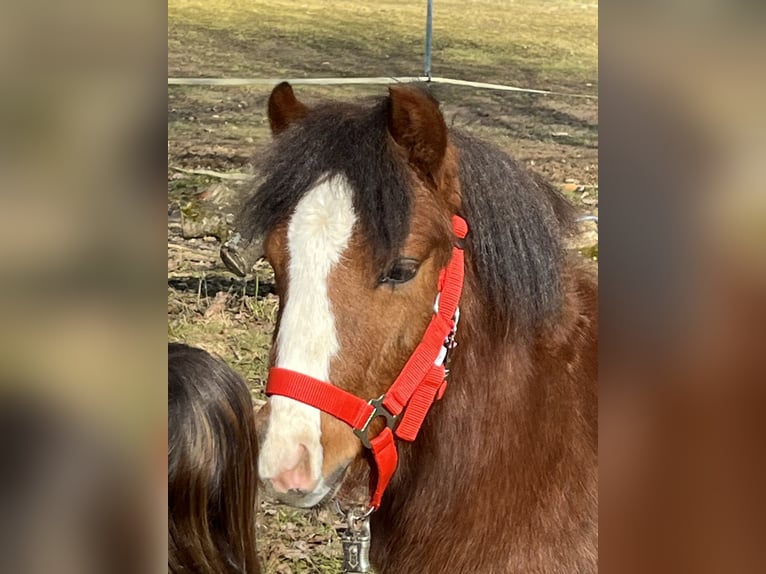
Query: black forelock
point(516, 219)
point(346, 139)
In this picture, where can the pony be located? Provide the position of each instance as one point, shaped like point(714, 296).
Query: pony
point(357, 204)
point(212, 456)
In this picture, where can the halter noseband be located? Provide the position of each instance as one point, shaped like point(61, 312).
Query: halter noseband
point(421, 382)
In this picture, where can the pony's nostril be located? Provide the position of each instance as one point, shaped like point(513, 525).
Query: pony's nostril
point(297, 491)
point(297, 478)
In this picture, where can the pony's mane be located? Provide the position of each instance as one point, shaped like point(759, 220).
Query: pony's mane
point(517, 222)
point(516, 219)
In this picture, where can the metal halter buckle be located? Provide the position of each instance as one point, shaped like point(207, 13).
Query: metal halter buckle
point(449, 341)
point(379, 411)
point(449, 344)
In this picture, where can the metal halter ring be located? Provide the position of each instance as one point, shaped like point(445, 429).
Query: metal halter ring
point(354, 515)
point(379, 410)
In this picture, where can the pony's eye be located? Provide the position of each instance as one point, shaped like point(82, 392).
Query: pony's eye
point(402, 271)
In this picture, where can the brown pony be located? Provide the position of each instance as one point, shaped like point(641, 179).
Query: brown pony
point(355, 201)
point(212, 454)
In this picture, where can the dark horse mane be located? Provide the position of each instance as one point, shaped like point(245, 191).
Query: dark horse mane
point(517, 221)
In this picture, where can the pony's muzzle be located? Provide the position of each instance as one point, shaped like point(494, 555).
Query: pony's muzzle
point(297, 479)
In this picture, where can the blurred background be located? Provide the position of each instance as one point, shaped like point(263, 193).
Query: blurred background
point(82, 344)
point(683, 286)
point(679, 125)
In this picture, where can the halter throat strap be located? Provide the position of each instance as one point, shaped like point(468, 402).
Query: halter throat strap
point(405, 405)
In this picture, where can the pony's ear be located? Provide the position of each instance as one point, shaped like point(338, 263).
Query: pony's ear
point(416, 124)
point(284, 108)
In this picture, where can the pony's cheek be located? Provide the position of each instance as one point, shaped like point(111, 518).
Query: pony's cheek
point(339, 445)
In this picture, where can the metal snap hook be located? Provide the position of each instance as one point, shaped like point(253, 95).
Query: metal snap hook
point(355, 539)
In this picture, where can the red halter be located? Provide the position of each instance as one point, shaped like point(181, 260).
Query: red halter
point(421, 382)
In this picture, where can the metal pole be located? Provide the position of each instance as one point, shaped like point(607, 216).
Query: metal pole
point(429, 26)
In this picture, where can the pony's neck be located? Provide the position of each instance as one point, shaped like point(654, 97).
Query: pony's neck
point(488, 460)
point(487, 390)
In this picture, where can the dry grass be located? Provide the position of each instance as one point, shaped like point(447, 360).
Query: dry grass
point(552, 44)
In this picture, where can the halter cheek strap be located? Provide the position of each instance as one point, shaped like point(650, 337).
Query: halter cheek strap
point(407, 402)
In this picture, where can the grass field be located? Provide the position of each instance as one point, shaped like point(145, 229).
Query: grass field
point(536, 44)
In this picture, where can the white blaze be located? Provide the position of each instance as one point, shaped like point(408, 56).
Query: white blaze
point(317, 236)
